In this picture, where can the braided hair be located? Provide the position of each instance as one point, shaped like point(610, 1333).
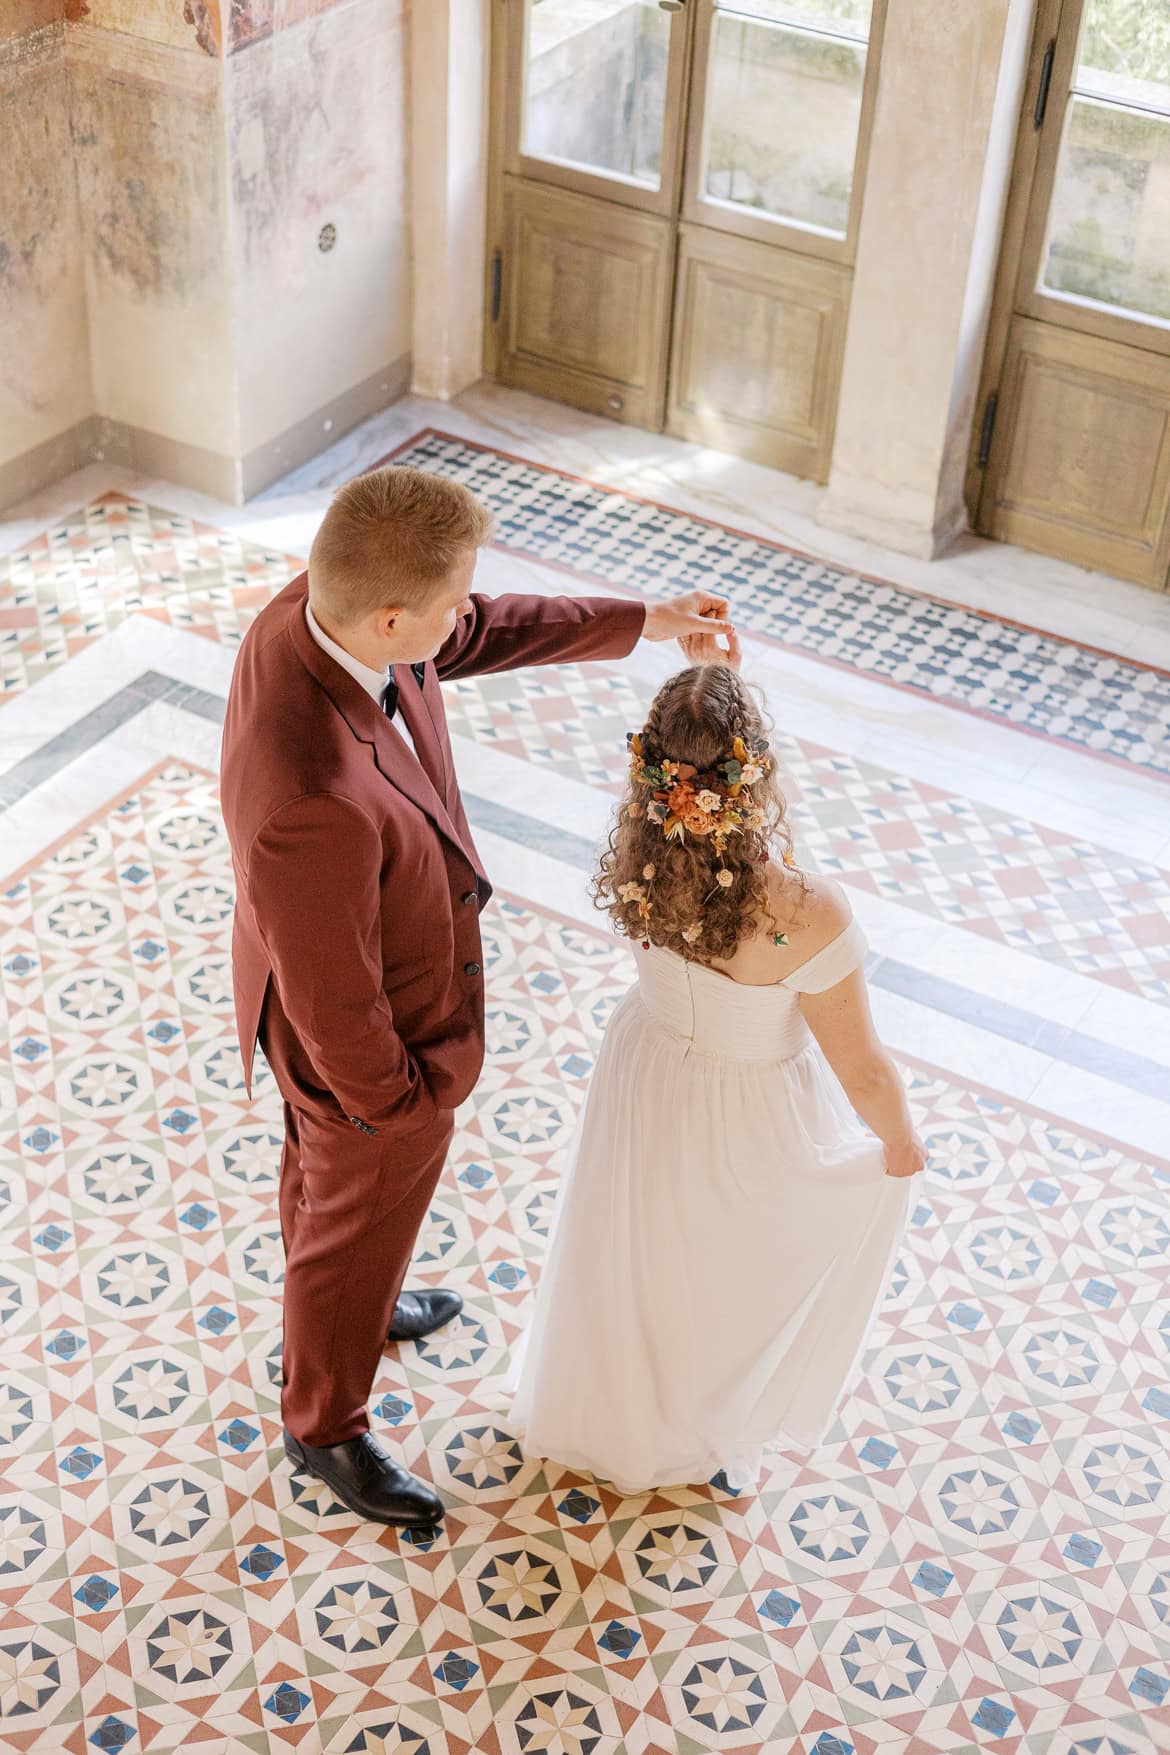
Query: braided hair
point(681, 892)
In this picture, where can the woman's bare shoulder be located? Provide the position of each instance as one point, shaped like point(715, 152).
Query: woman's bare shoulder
point(810, 910)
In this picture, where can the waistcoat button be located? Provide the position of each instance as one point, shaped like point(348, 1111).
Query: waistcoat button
point(471, 968)
point(470, 897)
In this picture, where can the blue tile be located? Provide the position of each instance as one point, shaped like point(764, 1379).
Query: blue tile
point(238, 1436)
point(1158, 1402)
point(779, 1608)
point(261, 1562)
point(1147, 1686)
point(96, 1593)
point(1083, 1549)
point(619, 1640)
point(287, 1703)
point(878, 1452)
point(456, 1671)
point(113, 1733)
point(1099, 1292)
point(1021, 1427)
point(994, 1718)
point(579, 1506)
point(932, 1578)
point(393, 1409)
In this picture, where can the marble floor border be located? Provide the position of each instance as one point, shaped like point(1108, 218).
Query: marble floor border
point(995, 1017)
point(770, 542)
point(953, 701)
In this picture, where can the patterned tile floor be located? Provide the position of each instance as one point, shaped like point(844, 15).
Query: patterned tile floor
point(978, 1559)
point(978, 1535)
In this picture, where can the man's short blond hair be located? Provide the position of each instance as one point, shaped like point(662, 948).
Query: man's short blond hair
point(388, 539)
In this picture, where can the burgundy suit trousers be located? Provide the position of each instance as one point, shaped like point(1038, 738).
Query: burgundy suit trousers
point(351, 1208)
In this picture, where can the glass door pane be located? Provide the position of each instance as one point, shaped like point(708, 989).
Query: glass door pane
point(1109, 225)
point(784, 92)
point(595, 83)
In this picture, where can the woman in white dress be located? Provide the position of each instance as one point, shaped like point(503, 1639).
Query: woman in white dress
point(726, 1225)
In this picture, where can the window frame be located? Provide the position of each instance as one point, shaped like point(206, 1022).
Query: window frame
point(789, 234)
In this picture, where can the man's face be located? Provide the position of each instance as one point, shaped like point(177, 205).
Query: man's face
point(410, 635)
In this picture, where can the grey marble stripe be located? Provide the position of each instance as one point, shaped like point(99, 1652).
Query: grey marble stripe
point(997, 1017)
point(514, 825)
point(42, 763)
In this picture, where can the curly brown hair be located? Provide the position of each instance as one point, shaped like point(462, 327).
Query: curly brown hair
point(695, 719)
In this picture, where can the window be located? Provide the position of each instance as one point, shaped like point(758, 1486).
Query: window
point(1108, 238)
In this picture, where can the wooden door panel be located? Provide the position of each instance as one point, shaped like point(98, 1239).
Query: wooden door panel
point(758, 341)
point(585, 302)
point(1080, 467)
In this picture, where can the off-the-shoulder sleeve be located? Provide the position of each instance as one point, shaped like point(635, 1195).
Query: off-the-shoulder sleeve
point(837, 959)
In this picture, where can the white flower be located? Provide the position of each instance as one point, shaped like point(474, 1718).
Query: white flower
point(756, 819)
point(692, 932)
point(724, 878)
point(750, 773)
point(708, 801)
point(648, 872)
point(631, 892)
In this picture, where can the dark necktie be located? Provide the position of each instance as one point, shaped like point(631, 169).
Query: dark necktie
point(390, 692)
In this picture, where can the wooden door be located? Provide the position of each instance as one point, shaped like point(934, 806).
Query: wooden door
point(782, 95)
point(589, 97)
point(676, 193)
point(1072, 456)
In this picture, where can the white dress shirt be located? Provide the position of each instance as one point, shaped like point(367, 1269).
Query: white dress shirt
point(373, 681)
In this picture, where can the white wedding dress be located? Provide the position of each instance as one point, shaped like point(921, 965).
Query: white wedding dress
point(723, 1237)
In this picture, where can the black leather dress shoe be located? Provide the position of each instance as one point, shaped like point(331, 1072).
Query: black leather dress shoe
point(368, 1480)
point(420, 1313)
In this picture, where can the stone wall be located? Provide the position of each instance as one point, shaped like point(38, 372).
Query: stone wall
point(167, 169)
point(45, 385)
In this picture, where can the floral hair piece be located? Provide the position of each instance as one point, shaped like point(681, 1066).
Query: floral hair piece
point(684, 802)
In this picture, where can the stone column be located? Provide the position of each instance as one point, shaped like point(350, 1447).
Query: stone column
point(449, 67)
point(944, 132)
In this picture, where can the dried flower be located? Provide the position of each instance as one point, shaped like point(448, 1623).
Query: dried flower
point(708, 800)
point(750, 773)
point(631, 893)
point(635, 809)
point(755, 819)
point(724, 878)
point(693, 932)
point(657, 811)
point(648, 872)
point(697, 820)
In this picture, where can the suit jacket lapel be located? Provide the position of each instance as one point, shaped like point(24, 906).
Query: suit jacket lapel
point(370, 725)
point(417, 709)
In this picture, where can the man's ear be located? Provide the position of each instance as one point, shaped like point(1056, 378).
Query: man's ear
point(387, 622)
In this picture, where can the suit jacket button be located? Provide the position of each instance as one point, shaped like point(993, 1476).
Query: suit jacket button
point(470, 897)
point(471, 968)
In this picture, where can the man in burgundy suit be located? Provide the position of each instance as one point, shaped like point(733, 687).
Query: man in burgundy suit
point(356, 947)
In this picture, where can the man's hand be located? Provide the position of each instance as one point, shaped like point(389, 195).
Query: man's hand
point(692, 613)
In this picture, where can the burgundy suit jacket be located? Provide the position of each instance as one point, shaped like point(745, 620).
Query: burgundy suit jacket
point(358, 886)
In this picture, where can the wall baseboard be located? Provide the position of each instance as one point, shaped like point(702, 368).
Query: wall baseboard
point(230, 479)
point(308, 437)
